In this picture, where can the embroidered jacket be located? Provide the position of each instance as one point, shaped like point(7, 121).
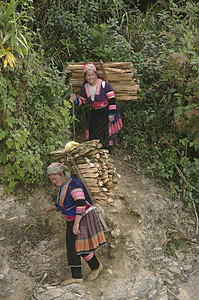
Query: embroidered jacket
point(104, 96)
point(73, 199)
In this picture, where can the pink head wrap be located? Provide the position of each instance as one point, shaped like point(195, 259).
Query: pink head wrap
point(57, 168)
point(88, 67)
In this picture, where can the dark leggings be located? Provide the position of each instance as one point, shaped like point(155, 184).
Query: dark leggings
point(99, 125)
point(74, 260)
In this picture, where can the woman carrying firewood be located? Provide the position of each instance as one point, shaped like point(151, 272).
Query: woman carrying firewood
point(84, 233)
point(104, 121)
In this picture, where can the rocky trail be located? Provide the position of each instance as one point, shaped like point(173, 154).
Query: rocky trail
point(152, 252)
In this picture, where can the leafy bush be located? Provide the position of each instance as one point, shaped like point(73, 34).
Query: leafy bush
point(35, 121)
point(80, 31)
point(164, 124)
point(34, 114)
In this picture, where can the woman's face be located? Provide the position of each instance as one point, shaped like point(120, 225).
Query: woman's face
point(91, 77)
point(57, 179)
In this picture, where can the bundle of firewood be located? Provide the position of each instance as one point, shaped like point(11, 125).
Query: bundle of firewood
point(120, 75)
point(91, 164)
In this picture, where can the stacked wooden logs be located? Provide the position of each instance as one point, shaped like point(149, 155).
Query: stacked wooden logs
point(94, 164)
point(121, 76)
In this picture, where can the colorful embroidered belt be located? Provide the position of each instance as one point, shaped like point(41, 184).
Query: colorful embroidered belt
point(99, 104)
point(89, 209)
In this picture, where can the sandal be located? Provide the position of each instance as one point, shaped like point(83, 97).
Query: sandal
point(95, 273)
point(71, 281)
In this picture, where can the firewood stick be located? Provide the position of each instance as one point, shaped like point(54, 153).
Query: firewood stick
point(73, 111)
point(86, 166)
point(89, 170)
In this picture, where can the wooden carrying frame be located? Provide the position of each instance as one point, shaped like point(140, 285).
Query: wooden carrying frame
point(121, 76)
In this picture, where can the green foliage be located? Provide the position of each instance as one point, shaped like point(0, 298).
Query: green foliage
point(82, 31)
point(34, 122)
point(160, 130)
point(13, 31)
point(34, 117)
point(172, 246)
point(163, 126)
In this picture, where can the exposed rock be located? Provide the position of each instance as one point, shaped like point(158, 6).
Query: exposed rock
point(116, 291)
point(115, 233)
point(180, 255)
point(190, 290)
point(143, 287)
point(174, 269)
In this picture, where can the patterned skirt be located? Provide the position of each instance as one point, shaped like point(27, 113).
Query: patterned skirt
point(99, 127)
point(114, 127)
point(91, 235)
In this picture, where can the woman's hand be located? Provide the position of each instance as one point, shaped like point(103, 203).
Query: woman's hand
point(76, 224)
point(73, 97)
point(76, 228)
point(111, 118)
point(49, 208)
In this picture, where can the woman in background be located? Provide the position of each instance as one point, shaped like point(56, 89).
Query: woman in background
point(104, 121)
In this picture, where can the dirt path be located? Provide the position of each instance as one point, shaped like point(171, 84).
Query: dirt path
point(152, 249)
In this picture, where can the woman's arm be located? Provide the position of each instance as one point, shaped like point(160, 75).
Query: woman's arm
point(111, 101)
point(79, 198)
point(49, 208)
point(80, 210)
point(82, 99)
point(76, 224)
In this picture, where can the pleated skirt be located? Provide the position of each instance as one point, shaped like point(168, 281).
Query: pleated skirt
point(91, 235)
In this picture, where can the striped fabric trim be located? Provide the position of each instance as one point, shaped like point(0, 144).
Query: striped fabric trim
point(110, 94)
point(78, 194)
point(99, 104)
point(92, 244)
point(60, 199)
point(98, 88)
point(87, 91)
point(80, 210)
point(113, 106)
point(69, 218)
point(88, 257)
point(115, 128)
point(81, 101)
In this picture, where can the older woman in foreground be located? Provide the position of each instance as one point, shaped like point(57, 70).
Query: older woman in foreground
point(84, 232)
